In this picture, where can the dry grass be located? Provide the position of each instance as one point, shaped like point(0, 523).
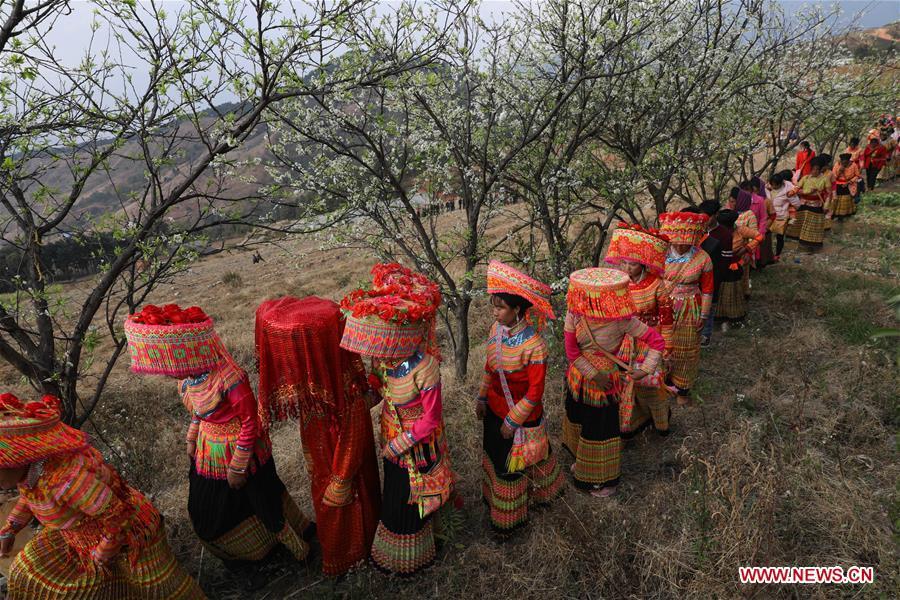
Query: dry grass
point(787, 458)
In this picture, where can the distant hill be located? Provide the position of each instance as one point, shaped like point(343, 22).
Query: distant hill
point(877, 41)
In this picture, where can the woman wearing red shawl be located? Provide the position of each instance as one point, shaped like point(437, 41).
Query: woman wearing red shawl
point(519, 466)
point(641, 253)
point(305, 375)
point(100, 538)
point(875, 156)
point(238, 506)
point(803, 162)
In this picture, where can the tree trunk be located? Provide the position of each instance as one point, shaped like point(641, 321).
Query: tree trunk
point(461, 352)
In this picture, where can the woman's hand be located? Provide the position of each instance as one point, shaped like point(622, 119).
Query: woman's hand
point(236, 479)
point(191, 449)
point(507, 430)
point(6, 544)
point(480, 409)
point(638, 374)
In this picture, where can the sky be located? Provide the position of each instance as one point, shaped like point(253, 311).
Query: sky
point(72, 34)
point(75, 36)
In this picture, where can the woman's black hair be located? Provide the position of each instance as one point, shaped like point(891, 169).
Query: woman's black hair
point(735, 192)
point(854, 141)
point(746, 185)
point(805, 144)
point(786, 175)
point(776, 180)
point(513, 301)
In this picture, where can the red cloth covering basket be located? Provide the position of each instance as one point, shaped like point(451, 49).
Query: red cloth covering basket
point(302, 369)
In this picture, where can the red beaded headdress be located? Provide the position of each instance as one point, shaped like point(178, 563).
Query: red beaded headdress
point(32, 431)
point(634, 243)
point(600, 293)
point(683, 227)
point(395, 318)
point(173, 341)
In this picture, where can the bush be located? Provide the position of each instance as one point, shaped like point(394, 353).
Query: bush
point(233, 279)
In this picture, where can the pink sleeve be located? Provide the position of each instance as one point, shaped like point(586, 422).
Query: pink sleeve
point(652, 338)
point(244, 405)
point(572, 349)
point(431, 414)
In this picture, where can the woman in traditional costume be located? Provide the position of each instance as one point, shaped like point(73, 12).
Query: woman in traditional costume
point(690, 284)
point(846, 178)
point(305, 375)
point(238, 506)
point(762, 255)
point(777, 190)
point(641, 253)
point(732, 306)
point(746, 223)
point(803, 162)
point(813, 190)
point(393, 330)
point(600, 314)
point(100, 538)
point(519, 466)
point(875, 157)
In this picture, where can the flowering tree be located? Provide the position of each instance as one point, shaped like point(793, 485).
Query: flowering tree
point(147, 96)
point(376, 159)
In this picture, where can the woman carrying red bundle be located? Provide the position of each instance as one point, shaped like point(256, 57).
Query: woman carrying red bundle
point(395, 330)
point(238, 506)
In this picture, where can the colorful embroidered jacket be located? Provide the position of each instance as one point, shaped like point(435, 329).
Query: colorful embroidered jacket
point(690, 284)
point(654, 308)
point(90, 504)
point(523, 358)
point(848, 176)
point(224, 424)
point(583, 340)
point(813, 191)
point(412, 429)
point(746, 235)
point(412, 406)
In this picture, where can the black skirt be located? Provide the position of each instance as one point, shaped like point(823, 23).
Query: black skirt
point(215, 508)
point(397, 514)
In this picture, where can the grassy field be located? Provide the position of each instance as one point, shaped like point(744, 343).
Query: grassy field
point(787, 457)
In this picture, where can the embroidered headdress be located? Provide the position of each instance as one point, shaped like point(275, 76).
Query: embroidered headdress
point(503, 279)
point(633, 243)
point(33, 431)
point(174, 342)
point(600, 293)
point(683, 227)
